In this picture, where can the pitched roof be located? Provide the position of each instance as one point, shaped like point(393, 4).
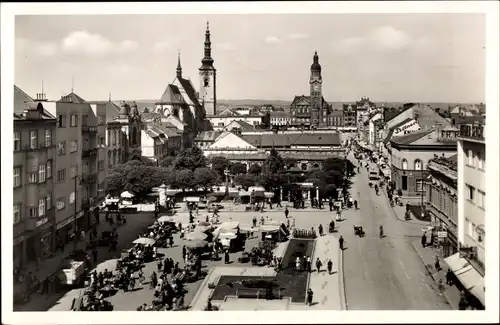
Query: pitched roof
point(72, 98)
point(188, 87)
point(410, 138)
point(245, 125)
point(227, 112)
point(299, 98)
point(287, 140)
point(279, 114)
point(207, 135)
point(172, 95)
point(263, 156)
point(20, 97)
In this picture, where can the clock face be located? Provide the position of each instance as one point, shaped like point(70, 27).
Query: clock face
point(316, 87)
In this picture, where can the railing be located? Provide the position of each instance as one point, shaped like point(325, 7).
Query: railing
point(42, 146)
point(89, 152)
point(89, 178)
point(472, 131)
point(89, 129)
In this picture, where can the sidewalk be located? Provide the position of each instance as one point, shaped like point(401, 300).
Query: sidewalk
point(50, 266)
point(239, 207)
point(427, 254)
point(399, 212)
point(328, 288)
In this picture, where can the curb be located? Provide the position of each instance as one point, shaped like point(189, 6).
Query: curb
point(432, 275)
point(343, 297)
point(203, 284)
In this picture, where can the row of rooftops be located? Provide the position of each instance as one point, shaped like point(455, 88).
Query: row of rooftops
point(448, 162)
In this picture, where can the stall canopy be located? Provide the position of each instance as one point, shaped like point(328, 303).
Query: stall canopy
point(196, 244)
point(244, 193)
point(166, 219)
point(144, 241)
point(227, 235)
point(196, 235)
point(467, 275)
point(127, 195)
point(248, 228)
point(268, 195)
point(192, 199)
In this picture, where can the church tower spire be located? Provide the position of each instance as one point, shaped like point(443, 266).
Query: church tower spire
point(207, 94)
point(179, 67)
point(207, 61)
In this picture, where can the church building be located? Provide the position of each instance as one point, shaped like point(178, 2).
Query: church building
point(181, 102)
point(311, 111)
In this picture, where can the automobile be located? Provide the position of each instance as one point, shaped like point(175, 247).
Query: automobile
point(373, 176)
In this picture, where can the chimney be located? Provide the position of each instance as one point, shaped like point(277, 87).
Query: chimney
point(438, 127)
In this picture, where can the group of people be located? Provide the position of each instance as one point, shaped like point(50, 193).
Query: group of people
point(304, 264)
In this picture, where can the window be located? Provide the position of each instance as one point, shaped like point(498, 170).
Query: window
point(41, 173)
point(17, 141)
point(17, 213)
point(61, 121)
point(32, 177)
point(100, 187)
point(304, 166)
point(49, 169)
point(61, 148)
point(404, 164)
point(418, 164)
point(41, 207)
point(48, 201)
point(480, 199)
point(102, 141)
point(73, 146)
point(33, 212)
point(419, 185)
point(72, 198)
point(33, 140)
point(73, 120)
point(48, 138)
point(470, 191)
point(73, 171)
point(101, 120)
point(205, 82)
point(470, 158)
point(61, 175)
point(479, 159)
point(17, 177)
point(85, 120)
point(61, 203)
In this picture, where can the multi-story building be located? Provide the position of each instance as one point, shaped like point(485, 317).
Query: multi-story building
point(441, 202)
point(280, 118)
point(350, 115)
point(410, 154)
point(34, 166)
point(471, 206)
point(154, 143)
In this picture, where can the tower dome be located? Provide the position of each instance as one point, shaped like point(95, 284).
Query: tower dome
point(315, 66)
point(124, 109)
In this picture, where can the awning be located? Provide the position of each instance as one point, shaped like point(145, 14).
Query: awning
point(192, 199)
point(467, 275)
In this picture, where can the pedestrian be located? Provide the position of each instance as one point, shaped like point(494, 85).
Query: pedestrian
point(310, 294)
point(309, 266)
point(449, 277)
point(319, 264)
point(184, 251)
point(329, 265)
point(226, 257)
point(171, 241)
point(262, 220)
point(423, 241)
point(462, 303)
point(160, 265)
point(432, 239)
point(320, 230)
point(254, 222)
point(94, 255)
point(341, 243)
point(330, 203)
point(297, 264)
point(437, 265)
point(286, 212)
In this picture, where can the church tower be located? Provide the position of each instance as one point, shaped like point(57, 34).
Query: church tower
point(207, 93)
point(316, 92)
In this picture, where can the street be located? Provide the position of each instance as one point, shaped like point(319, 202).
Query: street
point(384, 274)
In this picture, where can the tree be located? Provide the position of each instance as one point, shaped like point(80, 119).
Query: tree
point(255, 169)
point(271, 181)
point(165, 176)
point(219, 164)
point(191, 158)
point(135, 155)
point(115, 182)
point(205, 177)
point(244, 180)
point(274, 163)
point(146, 161)
point(167, 161)
point(184, 179)
point(289, 162)
point(140, 179)
point(237, 168)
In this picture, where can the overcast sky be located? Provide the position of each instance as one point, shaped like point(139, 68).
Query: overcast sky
point(387, 57)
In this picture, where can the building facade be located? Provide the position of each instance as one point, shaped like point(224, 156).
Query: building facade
point(472, 192)
point(34, 162)
point(411, 153)
point(441, 202)
point(350, 115)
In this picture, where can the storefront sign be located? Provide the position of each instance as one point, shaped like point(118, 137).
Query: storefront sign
point(442, 234)
point(68, 221)
point(41, 222)
point(406, 126)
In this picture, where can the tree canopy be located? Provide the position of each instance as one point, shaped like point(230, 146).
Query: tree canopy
point(274, 162)
point(237, 168)
point(255, 169)
point(167, 161)
point(244, 180)
point(219, 164)
point(184, 179)
point(191, 159)
point(205, 177)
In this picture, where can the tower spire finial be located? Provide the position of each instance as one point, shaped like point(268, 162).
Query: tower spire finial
point(72, 83)
point(208, 25)
point(179, 67)
point(110, 97)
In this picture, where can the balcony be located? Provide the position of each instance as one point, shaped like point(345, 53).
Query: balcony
point(472, 132)
point(88, 153)
point(89, 178)
point(88, 203)
point(89, 129)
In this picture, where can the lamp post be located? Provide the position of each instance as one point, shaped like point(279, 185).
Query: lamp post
point(422, 208)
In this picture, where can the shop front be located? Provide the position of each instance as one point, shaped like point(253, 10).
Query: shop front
point(65, 229)
point(19, 256)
